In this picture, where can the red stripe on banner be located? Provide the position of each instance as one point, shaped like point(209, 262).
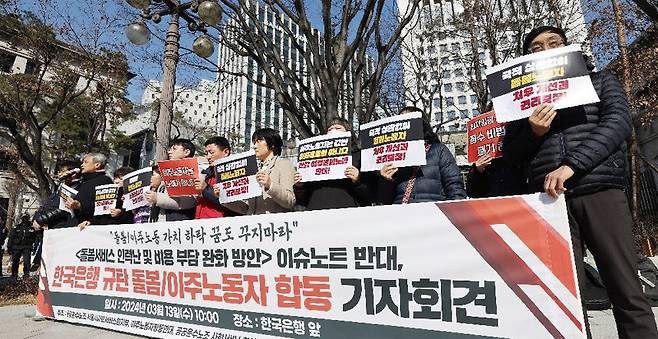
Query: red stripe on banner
point(513, 270)
point(535, 232)
point(44, 303)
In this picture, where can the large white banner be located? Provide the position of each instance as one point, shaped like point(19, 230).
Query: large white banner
point(486, 268)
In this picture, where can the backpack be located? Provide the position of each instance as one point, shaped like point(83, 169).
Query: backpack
point(648, 274)
point(594, 295)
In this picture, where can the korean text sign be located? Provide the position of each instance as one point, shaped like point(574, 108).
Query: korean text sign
point(557, 76)
point(484, 136)
point(237, 176)
point(481, 268)
point(179, 175)
point(66, 192)
point(105, 199)
point(324, 157)
point(135, 186)
point(397, 140)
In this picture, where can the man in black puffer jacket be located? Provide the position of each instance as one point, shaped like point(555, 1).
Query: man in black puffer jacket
point(580, 151)
point(93, 174)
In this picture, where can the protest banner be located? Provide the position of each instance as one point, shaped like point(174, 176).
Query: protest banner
point(237, 176)
point(557, 76)
point(135, 186)
point(484, 135)
point(105, 198)
point(480, 268)
point(179, 175)
point(65, 192)
point(397, 140)
point(324, 157)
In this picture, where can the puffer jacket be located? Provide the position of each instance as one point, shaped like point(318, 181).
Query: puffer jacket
point(589, 138)
point(438, 180)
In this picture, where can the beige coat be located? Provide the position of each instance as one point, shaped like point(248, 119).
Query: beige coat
point(279, 198)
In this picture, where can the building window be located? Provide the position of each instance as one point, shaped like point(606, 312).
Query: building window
point(474, 99)
point(447, 88)
point(445, 74)
point(6, 62)
point(463, 114)
point(437, 102)
point(475, 112)
point(462, 100)
point(31, 67)
point(461, 87)
point(459, 73)
point(450, 101)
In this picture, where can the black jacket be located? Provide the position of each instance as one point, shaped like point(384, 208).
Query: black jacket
point(438, 180)
point(339, 193)
point(590, 139)
point(50, 215)
point(498, 179)
point(22, 236)
point(87, 198)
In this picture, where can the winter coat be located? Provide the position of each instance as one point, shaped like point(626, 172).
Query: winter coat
point(498, 179)
point(175, 208)
point(50, 215)
point(438, 180)
point(207, 204)
point(87, 198)
point(279, 198)
point(589, 138)
point(21, 237)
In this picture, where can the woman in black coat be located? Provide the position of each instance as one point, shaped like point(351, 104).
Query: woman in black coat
point(339, 193)
point(438, 180)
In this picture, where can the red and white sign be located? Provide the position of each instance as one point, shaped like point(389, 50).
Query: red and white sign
point(484, 135)
point(494, 268)
point(179, 175)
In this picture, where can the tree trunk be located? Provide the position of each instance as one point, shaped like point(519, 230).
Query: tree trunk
point(633, 148)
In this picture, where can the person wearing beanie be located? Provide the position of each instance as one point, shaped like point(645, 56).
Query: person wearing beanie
point(581, 152)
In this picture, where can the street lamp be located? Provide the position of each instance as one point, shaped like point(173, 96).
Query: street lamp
point(199, 14)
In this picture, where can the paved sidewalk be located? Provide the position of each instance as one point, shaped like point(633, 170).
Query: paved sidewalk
point(18, 324)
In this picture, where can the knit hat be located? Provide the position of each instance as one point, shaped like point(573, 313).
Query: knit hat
point(539, 30)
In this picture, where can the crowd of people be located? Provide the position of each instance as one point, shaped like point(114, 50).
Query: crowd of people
point(579, 151)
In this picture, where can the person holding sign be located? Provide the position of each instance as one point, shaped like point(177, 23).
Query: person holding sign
point(83, 205)
point(580, 151)
point(207, 204)
point(338, 193)
point(276, 176)
point(49, 215)
point(175, 208)
point(438, 180)
point(120, 215)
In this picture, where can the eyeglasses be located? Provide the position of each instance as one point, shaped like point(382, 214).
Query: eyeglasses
point(550, 44)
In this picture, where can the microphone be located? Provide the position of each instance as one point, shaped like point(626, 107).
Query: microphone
point(69, 173)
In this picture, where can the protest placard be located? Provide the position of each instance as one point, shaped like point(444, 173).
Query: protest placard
point(65, 192)
point(179, 176)
point(557, 76)
point(135, 186)
point(237, 176)
point(324, 157)
point(105, 198)
point(484, 135)
point(397, 140)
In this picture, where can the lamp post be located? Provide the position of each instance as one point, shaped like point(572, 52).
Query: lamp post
point(199, 14)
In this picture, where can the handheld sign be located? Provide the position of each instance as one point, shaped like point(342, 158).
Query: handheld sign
point(397, 140)
point(237, 176)
point(105, 199)
point(557, 76)
point(135, 186)
point(484, 136)
point(65, 192)
point(324, 157)
point(179, 175)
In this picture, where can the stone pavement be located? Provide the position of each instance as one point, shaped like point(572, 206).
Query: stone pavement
point(18, 324)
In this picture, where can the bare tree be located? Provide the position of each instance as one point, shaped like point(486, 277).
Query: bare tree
point(71, 89)
point(352, 40)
